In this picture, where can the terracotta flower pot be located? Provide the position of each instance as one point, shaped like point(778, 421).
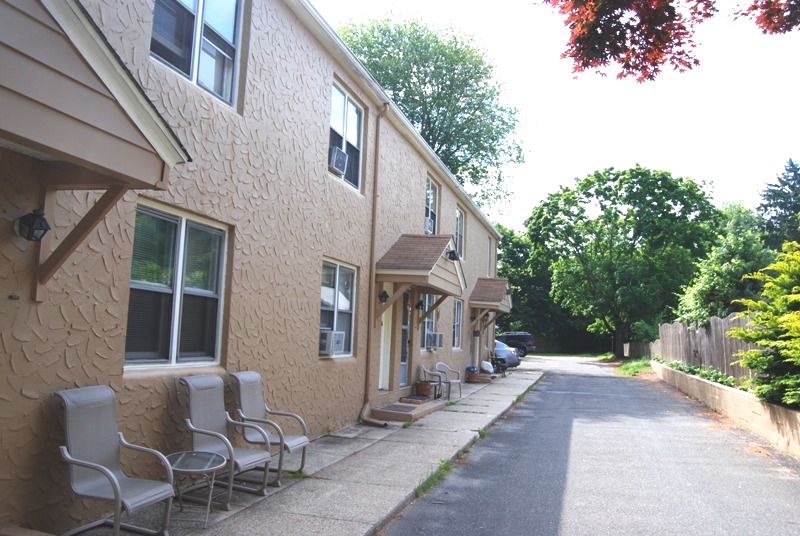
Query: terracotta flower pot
point(422, 388)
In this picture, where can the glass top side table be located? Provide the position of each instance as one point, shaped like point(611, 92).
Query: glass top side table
point(197, 463)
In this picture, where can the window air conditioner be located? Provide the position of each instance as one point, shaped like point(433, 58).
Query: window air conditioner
point(430, 225)
point(439, 339)
point(434, 340)
point(331, 342)
point(337, 160)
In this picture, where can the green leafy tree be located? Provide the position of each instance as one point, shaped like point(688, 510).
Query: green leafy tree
point(444, 85)
point(774, 326)
point(781, 206)
point(624, 243)
point(720, 280)
point(642, 36)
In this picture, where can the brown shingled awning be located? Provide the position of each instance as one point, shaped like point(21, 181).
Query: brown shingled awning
point(422, 261)
point(491, 293)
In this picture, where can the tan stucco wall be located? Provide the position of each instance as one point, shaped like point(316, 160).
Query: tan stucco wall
point(258, 169)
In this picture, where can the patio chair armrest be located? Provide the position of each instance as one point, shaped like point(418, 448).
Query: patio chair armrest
point(221, 437)
point(67, 457)
point(153, 452)
point(295, 416)
point(273, 424)
point(258, 429)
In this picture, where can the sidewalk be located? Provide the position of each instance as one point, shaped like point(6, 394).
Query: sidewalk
point(361, 476)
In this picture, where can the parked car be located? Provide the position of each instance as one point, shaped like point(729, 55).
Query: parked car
point(521, 340)
point(504, 351)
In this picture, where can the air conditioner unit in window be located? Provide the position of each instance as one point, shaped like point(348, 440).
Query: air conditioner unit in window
point(434, 339)
point(331, 342)
point(439, 340)
point(337, 160)
point(430, 225)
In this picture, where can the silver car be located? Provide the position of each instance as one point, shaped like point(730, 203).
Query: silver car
point(504, 351)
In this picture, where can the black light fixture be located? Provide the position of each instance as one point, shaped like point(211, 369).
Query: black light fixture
point(420, 305)
point(452, 254)
point(383, 297)
point(508, 291)
point(32, 226)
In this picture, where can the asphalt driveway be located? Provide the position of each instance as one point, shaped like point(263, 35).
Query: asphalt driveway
point(591, 453)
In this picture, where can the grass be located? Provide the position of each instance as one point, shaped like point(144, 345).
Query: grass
point(432, 480)
point(632, 367)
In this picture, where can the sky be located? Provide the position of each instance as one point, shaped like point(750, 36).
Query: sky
point(732, 123)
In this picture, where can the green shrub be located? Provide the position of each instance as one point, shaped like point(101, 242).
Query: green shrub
point(774, 326)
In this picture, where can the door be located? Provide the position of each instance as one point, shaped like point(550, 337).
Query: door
point(403, 378)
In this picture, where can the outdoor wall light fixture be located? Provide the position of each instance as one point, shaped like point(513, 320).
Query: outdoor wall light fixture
point(383, 297)
point(420, 305)
point(508, 292)
point(452, 254)
point(32, 226)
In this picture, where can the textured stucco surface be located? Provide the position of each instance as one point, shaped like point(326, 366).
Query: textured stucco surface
point(259, 169)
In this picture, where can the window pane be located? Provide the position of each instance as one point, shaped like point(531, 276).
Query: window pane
point(337, 110)
point(327, 289)
point(344, 322)
point(221, 15)
point(346, 278)
point(353, 165)
point(153, 250)
point(149, 325)
point(173, 29)
point(203, 247)
point(198, 328)
point(353, 124)
point(215, 71)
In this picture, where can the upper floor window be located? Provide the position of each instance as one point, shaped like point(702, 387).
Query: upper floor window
point(459, 237)
point(431, 203)
point(345, 137)
point(198, 38)
point(458, 311)
point(337, 308)
point(174, 312)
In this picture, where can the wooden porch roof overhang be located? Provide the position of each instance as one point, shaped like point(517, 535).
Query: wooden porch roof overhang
point(491, 297)
point(73, 106)
point(427, 263)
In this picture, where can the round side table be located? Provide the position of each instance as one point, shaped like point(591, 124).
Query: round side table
point(197, 463)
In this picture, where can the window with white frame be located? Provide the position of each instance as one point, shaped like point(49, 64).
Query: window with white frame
point(345, 135)
point(199, 39)
point(458, 308)
point(431, 203)
point(459, 236)
point(429, 324)
point(175, 301)
point(337, 306)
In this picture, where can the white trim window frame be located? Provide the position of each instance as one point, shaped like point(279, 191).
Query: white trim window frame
point(175, 319)
point(346, 133)
point(459, 237)
point(429, 324)
point(338, 302)
point(200, 39)
point(458, 318)
point(431, 207)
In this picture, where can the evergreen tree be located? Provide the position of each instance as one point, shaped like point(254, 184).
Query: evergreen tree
point(781, 206)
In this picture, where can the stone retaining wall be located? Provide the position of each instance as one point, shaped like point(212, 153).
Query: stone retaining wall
point(777, 425)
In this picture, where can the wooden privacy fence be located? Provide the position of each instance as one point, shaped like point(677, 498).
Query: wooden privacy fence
point(705, 346)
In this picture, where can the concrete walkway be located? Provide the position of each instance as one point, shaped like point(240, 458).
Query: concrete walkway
point(358, 478)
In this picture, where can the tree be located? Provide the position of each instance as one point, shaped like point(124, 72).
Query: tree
point(642, 36)
point(720, 281)
point(624, 243)
point(444, 85)
point(781, 206)
point(774, 326)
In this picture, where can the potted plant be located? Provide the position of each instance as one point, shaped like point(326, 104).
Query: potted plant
point(422, 387)
point(472, 374)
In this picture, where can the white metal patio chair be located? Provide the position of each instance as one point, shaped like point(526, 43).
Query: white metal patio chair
point(252, 408)
point(208, 421)
point(447, 379)
point(92, 451)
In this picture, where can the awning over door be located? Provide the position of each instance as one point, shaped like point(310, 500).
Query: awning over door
point(491, 293)
point(425, 262)
point(69, 104)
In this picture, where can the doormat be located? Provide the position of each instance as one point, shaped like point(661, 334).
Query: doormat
point(415, 399)
point(398, 408)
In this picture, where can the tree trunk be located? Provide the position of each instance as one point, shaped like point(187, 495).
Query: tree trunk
point(619, 342)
